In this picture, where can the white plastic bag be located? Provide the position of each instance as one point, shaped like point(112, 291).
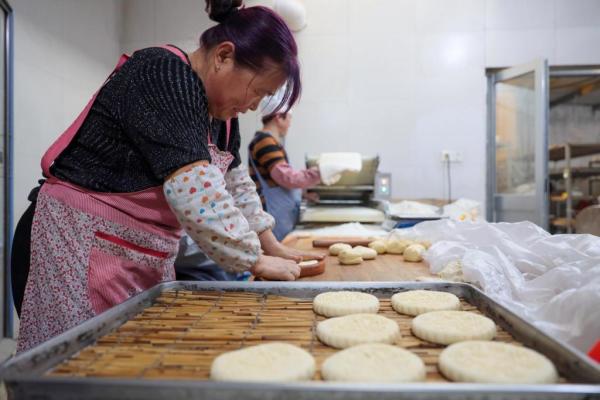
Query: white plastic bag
point(551, 281)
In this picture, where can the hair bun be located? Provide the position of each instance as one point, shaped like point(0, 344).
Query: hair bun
point(219, 10)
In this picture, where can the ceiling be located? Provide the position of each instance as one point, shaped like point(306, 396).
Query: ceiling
point(581, 90)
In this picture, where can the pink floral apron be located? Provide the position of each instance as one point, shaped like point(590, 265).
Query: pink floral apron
point(91, 250)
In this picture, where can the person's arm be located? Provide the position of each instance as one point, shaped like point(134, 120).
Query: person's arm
point(245, 197)
point(286, 176)
point(198, 197)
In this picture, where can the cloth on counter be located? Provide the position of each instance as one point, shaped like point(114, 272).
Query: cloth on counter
point(207, 212)
point(286, 176)
point(552, 281)
point(408, 208)
point(332, 165)
point(463, 210)
point(351, 229)
point(342, 214)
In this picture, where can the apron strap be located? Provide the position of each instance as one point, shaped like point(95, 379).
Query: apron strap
point(263, 184)
point(63, 141)
point(228, 132)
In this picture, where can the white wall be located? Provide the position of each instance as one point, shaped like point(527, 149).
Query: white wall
point(404, 79)
point(64, 49)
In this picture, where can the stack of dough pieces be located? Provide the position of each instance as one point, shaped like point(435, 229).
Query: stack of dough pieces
point(337, 248)
point(350, 257)
point(396, 246)
point(336, 304)
point(366, 253)
point(373, 362)
point(378, 246)
point(495, 362)
point(414, 253)
point(274, 362)
point(415, 302)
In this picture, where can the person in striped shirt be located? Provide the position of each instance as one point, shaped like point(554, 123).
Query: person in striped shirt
point(277, 182)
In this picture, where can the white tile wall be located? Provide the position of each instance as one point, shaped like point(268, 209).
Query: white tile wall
point(521, 14)
point(64, 49)
point(402, 78)
point(576, 14)
point(513, 47)
point(578, 45)
point(450, 15)
point(409, 75)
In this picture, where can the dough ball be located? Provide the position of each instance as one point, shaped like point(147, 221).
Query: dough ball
point(336, 304)
point(397, 246)
point(415, 302)
point(336, 249)
point(378, 246)
point(452, 272)
point(350, 257)
point(366, 253)
point(274, 362)
point(350, 330)
point(447, 327)
point(495, 362)
point(373, 362)
point(424, 243)
point(414, 253)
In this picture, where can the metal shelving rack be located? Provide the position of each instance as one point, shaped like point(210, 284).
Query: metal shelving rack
point(568, 152)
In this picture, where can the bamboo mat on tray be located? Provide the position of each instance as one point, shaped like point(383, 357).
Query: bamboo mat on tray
point(183, 331)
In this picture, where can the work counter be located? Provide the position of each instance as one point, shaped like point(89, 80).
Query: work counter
point(384, 268)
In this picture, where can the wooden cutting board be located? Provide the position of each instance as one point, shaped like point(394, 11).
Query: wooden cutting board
point(385, 268)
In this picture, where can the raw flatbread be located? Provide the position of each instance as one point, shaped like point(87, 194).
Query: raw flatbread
point(447, 327)
point(414, 253)
point(274, 362)
point(397, 246)
point(337, 248)
point(350, 330)
point(350, 257)
point(336, 304)
point(366, 253)
point(415, 302)
point(495, 362)
point(308, 263)
point(378, 246)
point(373, 362)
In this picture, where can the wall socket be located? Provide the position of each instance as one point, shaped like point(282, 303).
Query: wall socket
point(451, 155)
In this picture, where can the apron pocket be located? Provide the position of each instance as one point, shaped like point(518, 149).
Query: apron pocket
point(119, 269)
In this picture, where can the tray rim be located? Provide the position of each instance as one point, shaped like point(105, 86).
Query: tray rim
point(25, 371)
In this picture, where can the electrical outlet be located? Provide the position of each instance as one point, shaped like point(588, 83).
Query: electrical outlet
point(451, 155)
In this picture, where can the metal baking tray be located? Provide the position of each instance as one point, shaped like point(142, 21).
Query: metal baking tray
point(24, 375)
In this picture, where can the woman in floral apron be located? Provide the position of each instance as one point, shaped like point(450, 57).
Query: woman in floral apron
point(151, 155)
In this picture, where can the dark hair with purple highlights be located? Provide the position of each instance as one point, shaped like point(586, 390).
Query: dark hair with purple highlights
point(260, 37)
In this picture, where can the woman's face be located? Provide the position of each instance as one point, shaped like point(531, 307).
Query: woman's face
point(232, 89)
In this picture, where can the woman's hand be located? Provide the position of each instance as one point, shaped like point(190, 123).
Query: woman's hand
point(275, 269)
point(272, 247)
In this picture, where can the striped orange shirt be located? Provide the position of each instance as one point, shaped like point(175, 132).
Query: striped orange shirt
point(266, 152)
